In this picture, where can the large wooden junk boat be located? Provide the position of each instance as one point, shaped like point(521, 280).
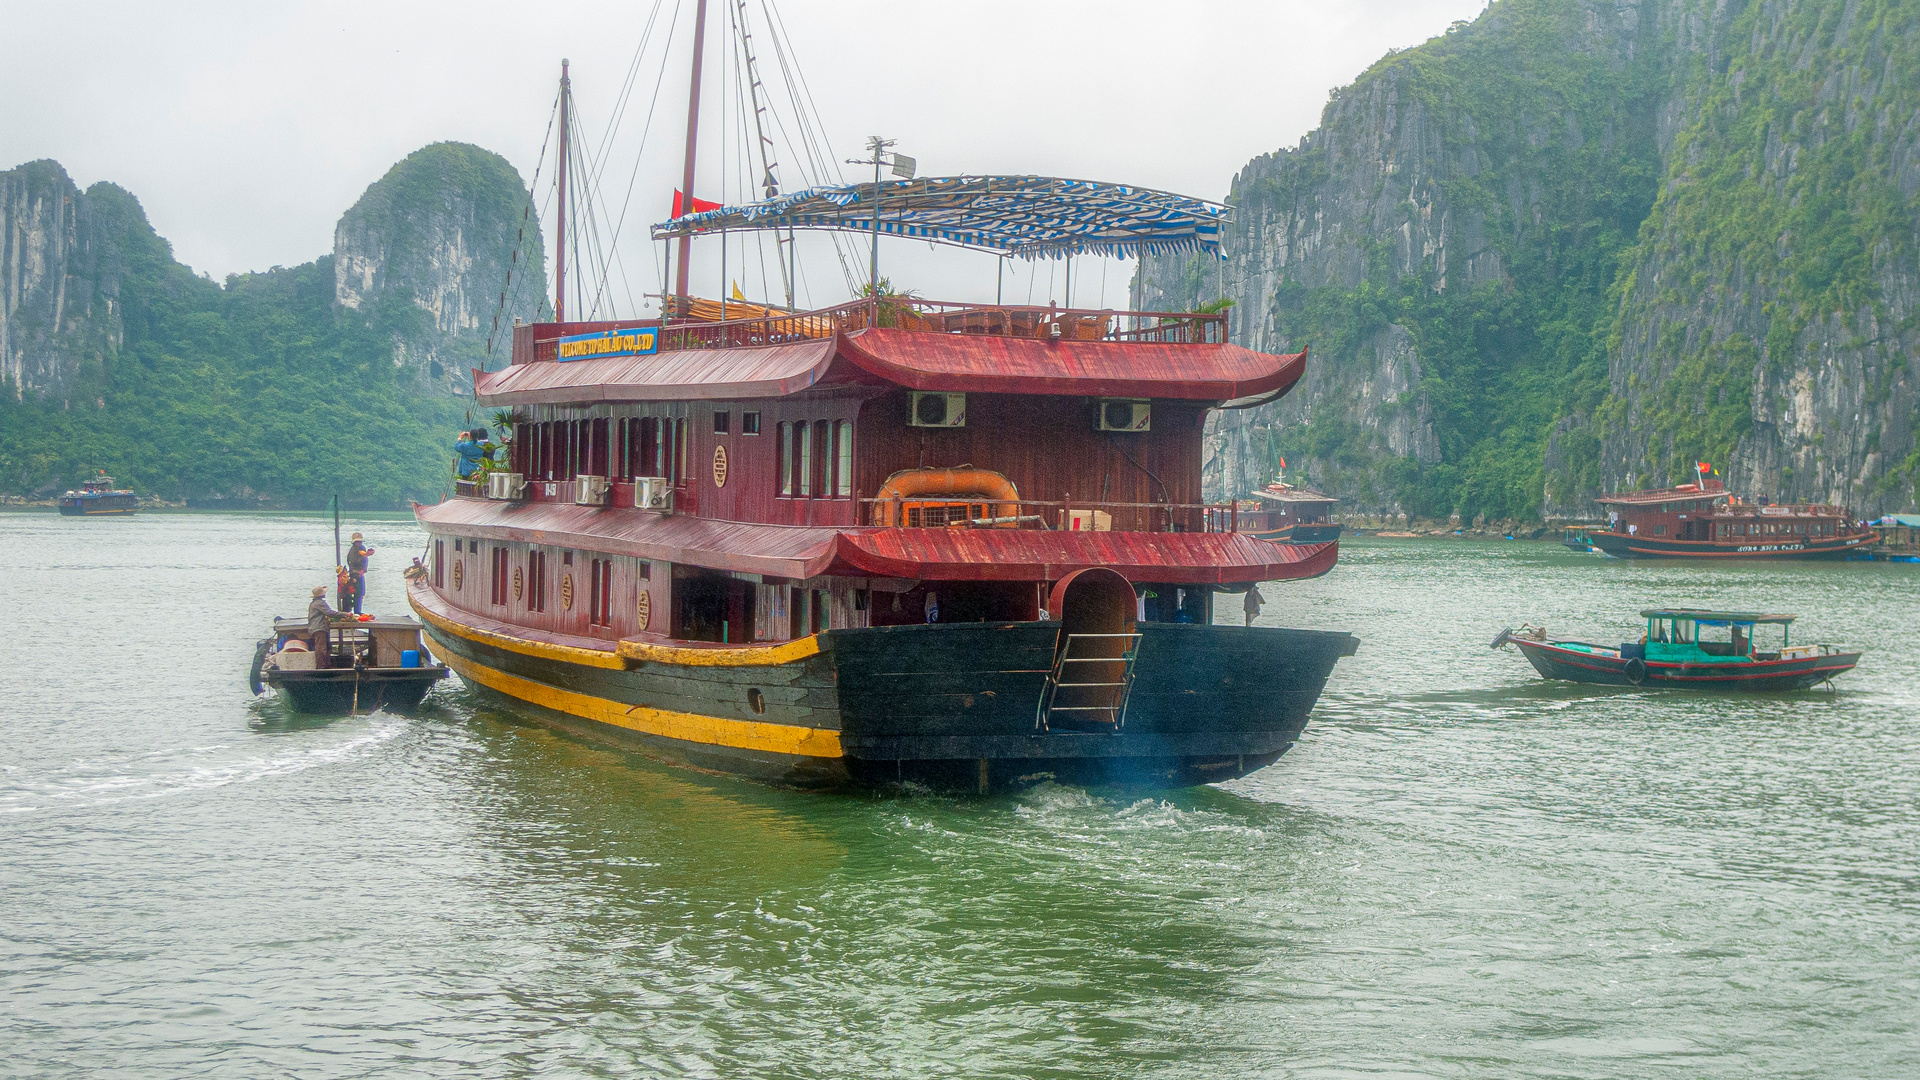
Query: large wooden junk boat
point(893, 541)
point(1703, 520)
point(1290, 514)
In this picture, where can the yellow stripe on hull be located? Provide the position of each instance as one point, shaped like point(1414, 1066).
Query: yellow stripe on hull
point(744, 656)
point(687, 727)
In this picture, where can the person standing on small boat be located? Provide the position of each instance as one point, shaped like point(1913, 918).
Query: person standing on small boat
point(1252, 604)
point(357, 570)
point(319, 626)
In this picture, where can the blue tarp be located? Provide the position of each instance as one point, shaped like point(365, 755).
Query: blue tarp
point(1911, 521)
point(1031, 217)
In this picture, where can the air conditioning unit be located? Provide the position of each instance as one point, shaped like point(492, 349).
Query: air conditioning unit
point(591, 490)
point(653, 493)
point(506, 485)
point(938, 410)
point(1124, 414)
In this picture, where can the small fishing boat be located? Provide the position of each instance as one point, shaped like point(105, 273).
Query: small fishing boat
point(371, 663)
point(1577, 539)
point(1702, 650)
point(98, 498)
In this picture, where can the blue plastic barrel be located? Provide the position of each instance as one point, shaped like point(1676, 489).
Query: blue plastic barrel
point(410, 658)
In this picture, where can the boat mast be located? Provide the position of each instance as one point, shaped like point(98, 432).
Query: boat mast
point(680, 305)
point(560, 238)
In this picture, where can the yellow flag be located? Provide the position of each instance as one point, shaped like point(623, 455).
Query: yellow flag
point(736, 292)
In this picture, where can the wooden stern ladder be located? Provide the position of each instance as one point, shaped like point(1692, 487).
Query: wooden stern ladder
point(1078, 696)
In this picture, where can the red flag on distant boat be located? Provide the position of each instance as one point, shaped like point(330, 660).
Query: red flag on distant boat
point(1703, 466)
point(1283, 463)
point(700, 206)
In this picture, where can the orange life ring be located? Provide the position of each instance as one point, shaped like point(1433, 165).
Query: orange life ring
point(917, 487)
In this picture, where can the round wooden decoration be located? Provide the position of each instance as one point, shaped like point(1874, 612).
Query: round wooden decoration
point(566, 591)
point(459, 566)
point(643, 608)
point(517, 583)
point(720, 466)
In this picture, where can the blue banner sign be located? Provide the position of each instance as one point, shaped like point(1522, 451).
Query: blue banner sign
point(630, 341)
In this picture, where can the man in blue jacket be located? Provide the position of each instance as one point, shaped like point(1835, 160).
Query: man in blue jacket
point(471, 454)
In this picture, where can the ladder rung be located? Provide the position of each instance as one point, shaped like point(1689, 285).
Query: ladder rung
point(1092, 659)
point(1084, 708)
point(1064, 685)
point(1070, 637)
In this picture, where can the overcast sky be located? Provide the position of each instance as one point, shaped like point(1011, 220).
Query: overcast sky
point(247, 128)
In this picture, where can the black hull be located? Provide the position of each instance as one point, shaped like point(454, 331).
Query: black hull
point(1623, 546)
point(948, 706)
point(1761, 675)
point(333, 691)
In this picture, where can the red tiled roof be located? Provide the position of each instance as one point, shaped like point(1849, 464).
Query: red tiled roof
point(693, 374)
point(919, 360)
point(793, 551)
point(1008, 365)
point(1022, 555)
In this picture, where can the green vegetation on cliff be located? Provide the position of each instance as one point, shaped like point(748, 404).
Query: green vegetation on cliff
point(1618, 238)
point(267, 391)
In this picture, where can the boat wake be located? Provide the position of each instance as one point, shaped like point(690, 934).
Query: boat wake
point(95, 782)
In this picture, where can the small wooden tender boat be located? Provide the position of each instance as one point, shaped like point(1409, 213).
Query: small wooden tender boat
point(1703, 650)
point(379, 663)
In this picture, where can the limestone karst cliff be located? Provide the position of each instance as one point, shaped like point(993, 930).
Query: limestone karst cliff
point(1573, 246)
point(426, 252)
point(63, 256)
point(277, 387)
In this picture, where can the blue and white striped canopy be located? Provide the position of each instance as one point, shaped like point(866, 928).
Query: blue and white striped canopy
point(1032, 217)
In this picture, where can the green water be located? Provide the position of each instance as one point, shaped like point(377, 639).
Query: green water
point(1461, 870)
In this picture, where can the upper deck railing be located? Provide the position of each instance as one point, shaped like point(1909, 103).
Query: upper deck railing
point(537, 341)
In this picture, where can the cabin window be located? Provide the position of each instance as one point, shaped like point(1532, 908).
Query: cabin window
point(566, 558)
point(457, 545)
point(600, 599)
point(842, 458)
point(536, 581)
point(721, 421)
point(439, 564)
point(501, 573)
point(821, 610)
point(645, 570)
point(803, 453)
point(749, 423)
point(796, 613)
point(1659, 530)
point(600, 447)
point(783, 434)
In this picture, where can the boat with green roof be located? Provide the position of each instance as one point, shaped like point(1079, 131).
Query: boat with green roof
point(1682, 647)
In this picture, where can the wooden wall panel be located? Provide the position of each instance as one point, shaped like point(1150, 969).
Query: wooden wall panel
point(1046, 445)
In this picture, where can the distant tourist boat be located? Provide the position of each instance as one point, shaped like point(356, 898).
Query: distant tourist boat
point(372, 664)
point(1705, 521)
point(1290, 514)
point(1685, 648)
point(98, 497)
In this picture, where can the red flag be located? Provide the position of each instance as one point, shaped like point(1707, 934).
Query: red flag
point(1703, 466)
point(1283, 463)
point(700, 206)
